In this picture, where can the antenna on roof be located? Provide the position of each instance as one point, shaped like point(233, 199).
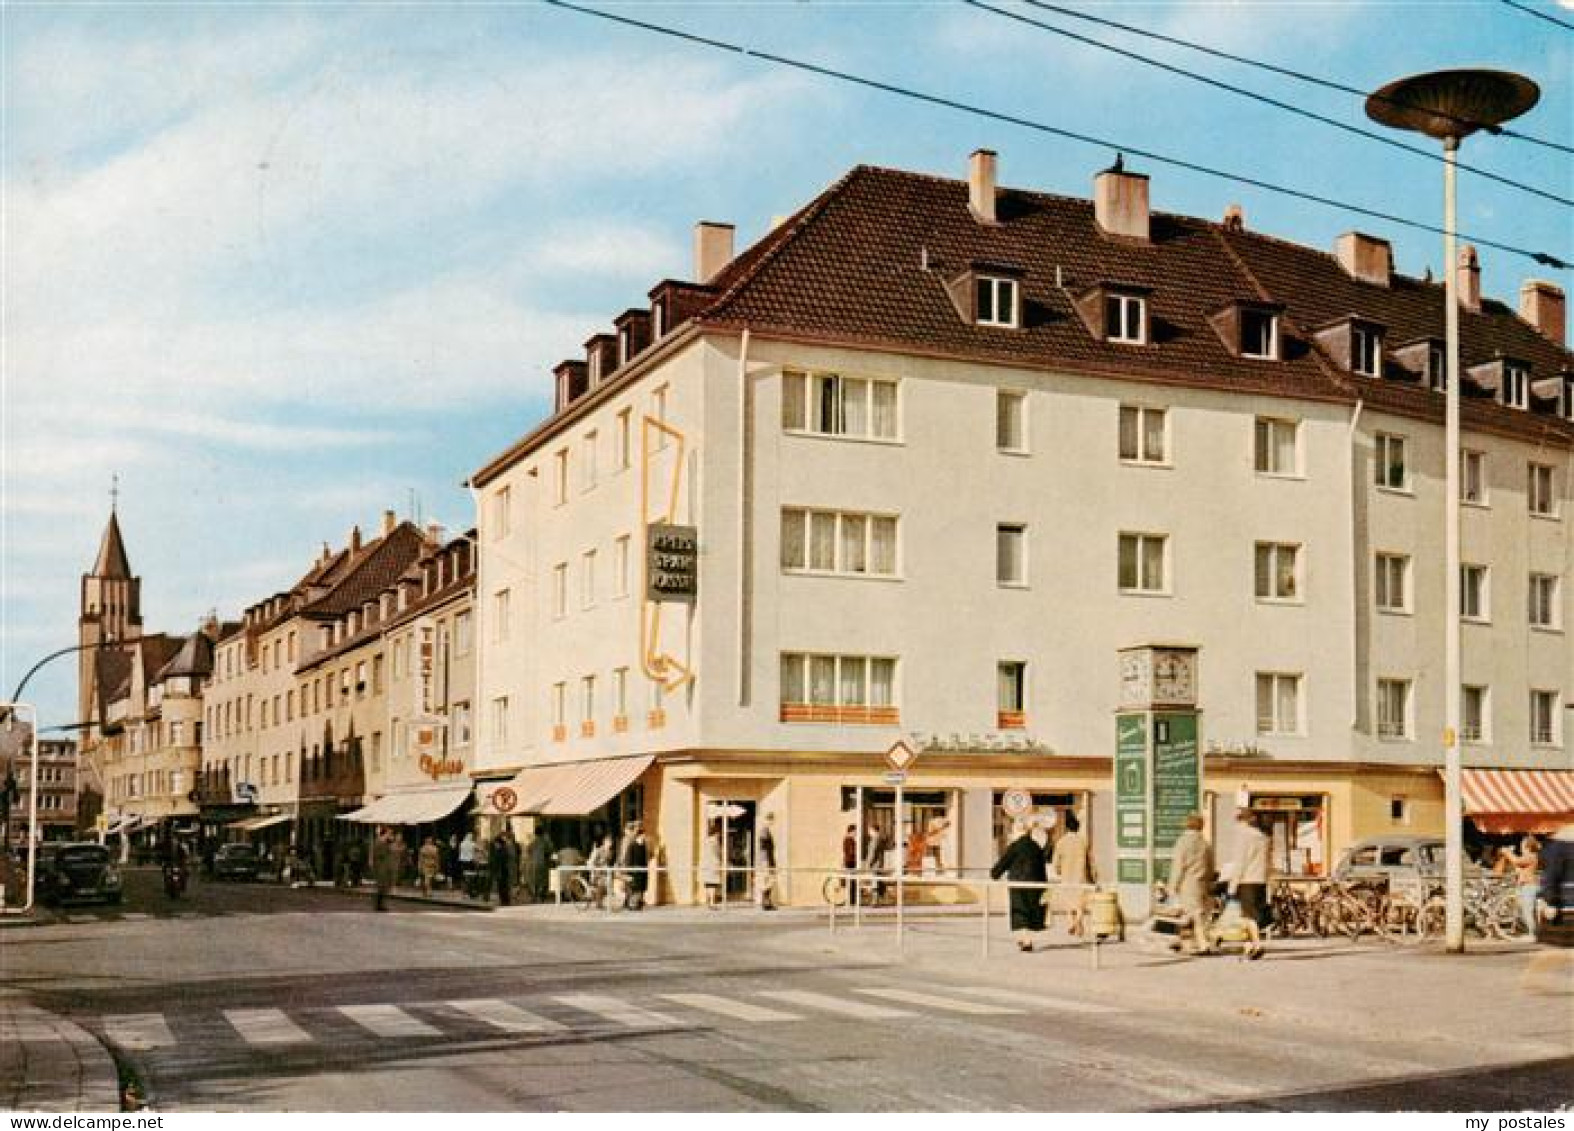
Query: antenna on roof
point(923, 258)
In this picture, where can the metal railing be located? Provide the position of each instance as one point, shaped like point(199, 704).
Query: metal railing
point(976, 884)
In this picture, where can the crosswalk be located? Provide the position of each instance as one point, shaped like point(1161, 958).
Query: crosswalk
point(584, 1013)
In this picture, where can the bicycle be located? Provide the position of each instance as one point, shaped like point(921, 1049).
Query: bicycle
point(837, 890)
point(584, 892)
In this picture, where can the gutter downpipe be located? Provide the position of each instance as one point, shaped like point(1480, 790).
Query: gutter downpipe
point(745, 521)
point(1355, 588)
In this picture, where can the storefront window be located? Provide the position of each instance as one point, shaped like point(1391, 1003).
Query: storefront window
point(932, 812)
point(1297, 829)
point(1045, 805)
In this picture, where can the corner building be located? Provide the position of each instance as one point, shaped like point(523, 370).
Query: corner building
point(948, 448)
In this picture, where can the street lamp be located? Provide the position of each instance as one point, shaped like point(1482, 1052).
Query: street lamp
point(1450, 106)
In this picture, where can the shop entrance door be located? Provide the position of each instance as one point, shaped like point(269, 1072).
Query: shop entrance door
point(736, 821)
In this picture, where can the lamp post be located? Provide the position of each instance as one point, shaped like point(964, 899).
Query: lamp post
point(1450, 106)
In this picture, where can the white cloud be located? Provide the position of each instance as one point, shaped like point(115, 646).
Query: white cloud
point(618, 249)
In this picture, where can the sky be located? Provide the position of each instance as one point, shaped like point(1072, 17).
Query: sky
point(279, 267)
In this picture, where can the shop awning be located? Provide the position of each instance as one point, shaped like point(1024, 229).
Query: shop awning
point(1518, 801)
point(252, 824)
point(575, 789)
point(417, 807)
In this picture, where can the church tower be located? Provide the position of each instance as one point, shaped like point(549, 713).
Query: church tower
point(111, 608)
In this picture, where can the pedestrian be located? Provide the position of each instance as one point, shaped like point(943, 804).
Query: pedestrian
point(357, 862)
point(710, 865)
point(850, 849)
point(600, 874)
point(569, 860)
point(1525, 865)
point(1192, 876)
point(466, 857)
point(1073, 864)
point(481, 874)
point(1023, 863)
point(386, 852)
point(538, 856)
point(428, 863)
point(637, 860)
point(454, 868)
point(504, 864)
point(878, 847)
point(1249, 882)
point(765, 863)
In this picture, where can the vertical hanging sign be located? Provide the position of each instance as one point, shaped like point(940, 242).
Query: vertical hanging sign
point(425, 665)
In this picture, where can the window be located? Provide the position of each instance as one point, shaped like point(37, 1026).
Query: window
point(1011, 708)
point(587, 699)
point(1473, 477)
point(1473, 594)
point(1259, 334)
point(587, 461)
point(587, 579)
point(995, 301)
point(1011, 554)
point(1366, 351)
point(1126, 319)
point(1473, 714)
point(462, 633)
point(1568, 399)
point(1010, 420)
point(560, 590)
point(559, 706)
point(1516, 386)
point(459, 724)
point(1393, 708)
point(1539, 493)
point(500, 720)
point(360, 683)
point(1142, 434)
point(1391, 583)
point(560, 477)
point(501, 613)
point(857, 545)
point(1544, 718)
point(620, 693)
point(1436, 369)
point(620, 566)
point(625, 438)
point(1277, 447)
point(502, 512)
point(1390, 465)
point(377, 674)
point(1399, 810)
point(1278, 703)
point(1141, 566)
point(845, 689)
point(1276, 571)
point(1544, 600)
point(826, 404)
point(658, 409)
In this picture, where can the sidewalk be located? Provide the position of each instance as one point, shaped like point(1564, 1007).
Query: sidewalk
point(50, 1064)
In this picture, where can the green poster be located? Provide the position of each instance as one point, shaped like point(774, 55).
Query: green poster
point(1176, 785)
point(1131, 781)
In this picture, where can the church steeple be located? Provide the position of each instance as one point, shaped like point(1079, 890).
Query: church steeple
point(111, 606)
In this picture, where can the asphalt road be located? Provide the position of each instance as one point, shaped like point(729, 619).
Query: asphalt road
point(260, 998)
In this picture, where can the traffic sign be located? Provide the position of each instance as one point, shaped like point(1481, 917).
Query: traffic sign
point(896, 777)
point(504, 799)
point(901, 756)
point(1017, 802)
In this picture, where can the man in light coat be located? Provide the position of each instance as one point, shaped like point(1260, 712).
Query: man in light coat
point(1193, 873)
point(1249, 884)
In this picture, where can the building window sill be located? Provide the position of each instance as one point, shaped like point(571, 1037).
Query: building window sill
point(820, 713)
point(560, 734)
point(1011, 720)
point(656, 719)
point(620, 724)
point(587, 730)
point(1383, 489)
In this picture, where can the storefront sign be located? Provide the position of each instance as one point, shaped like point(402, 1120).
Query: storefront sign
point(672, 564)
point(1176, 781)
point(987, 743)
point(425, 663)
point(437, 766)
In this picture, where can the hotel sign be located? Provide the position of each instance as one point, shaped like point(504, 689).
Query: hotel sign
point(672, 564)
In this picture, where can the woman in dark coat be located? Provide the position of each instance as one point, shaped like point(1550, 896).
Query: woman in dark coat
point(1023, 862)
point(637, 859)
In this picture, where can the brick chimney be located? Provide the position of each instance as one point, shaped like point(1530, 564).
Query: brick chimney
point(1468, 279)
point(712, 249)
point(355, 538)
point(1542, 305)
point(1120, 202)
point(434, 533)
point(1365, 258)
point(981, 185)
point(1234, 218)
point(390, 520)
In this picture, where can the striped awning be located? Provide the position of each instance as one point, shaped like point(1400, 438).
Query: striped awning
point(574, 789)
point(413, 807)
point(1518, 801)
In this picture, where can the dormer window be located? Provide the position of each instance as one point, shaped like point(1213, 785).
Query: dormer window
point(658, 319)
point(995, 301)
point(1568, 400)
point(1366, 351)
point(1259, 334)
point(624, 352)
point(1516, 385)
point(1436, 369)
point(1126, 319)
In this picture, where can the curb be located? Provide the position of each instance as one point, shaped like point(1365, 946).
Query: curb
point(50, 1064)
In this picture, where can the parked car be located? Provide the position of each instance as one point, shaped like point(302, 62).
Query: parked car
point(236, 862)
point(70, 872)
point(1404, 861)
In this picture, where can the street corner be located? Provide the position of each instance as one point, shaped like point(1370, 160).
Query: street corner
point(49, 1063)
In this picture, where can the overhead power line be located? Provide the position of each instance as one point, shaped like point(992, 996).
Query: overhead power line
point(1539, 14)
point(1287, 72)
point(1279, 104)
point(1544, 258)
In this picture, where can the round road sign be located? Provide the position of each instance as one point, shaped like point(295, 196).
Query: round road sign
point(504, 799)
point(1016, 802)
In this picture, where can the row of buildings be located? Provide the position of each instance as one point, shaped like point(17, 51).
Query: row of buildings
point(918, 465)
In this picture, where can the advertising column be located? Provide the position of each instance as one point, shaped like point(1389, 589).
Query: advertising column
point(1157, 766)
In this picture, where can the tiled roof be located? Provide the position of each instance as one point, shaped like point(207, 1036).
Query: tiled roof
point(111, 676)
point(866, 263)
point(364, 574)
point(194, 658)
